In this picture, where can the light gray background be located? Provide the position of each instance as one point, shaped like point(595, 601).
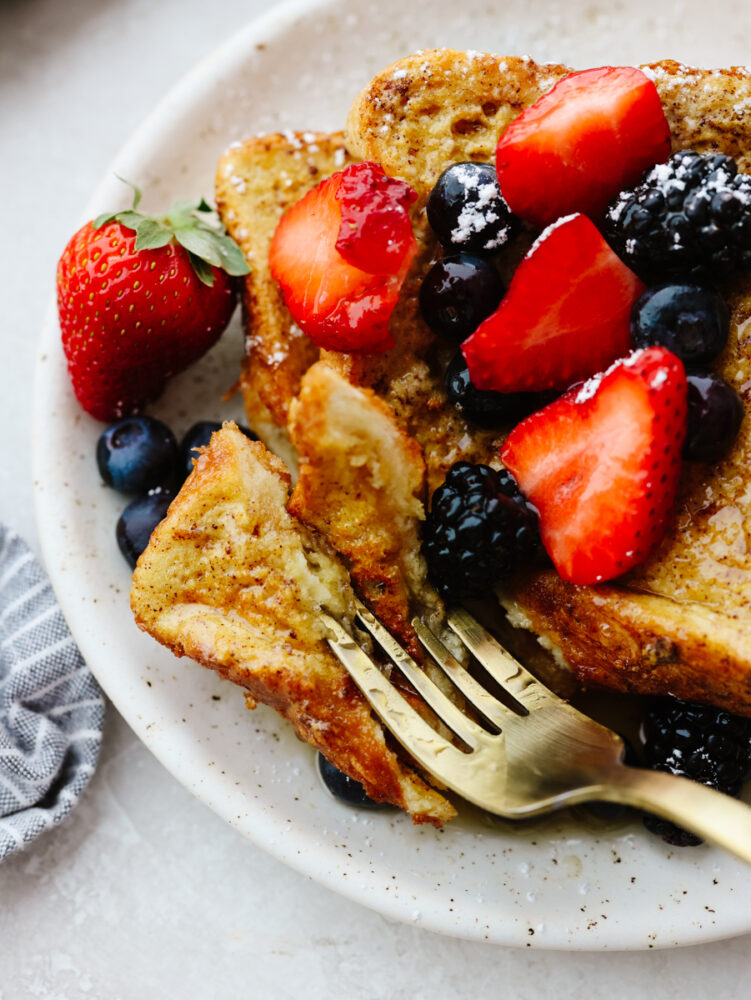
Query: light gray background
point(143, 892)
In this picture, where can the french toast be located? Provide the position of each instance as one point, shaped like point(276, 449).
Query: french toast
point(233, 581)
point(361, 484)
point(671, 625)
point(678, 624)
point(255, 182)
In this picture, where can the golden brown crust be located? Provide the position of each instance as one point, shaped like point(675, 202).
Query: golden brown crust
point(256, 181)
point(440, 107)
point(639, 643)
point(361, 484)
point(230, 579)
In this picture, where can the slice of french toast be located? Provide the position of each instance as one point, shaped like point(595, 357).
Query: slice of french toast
point(256, 181)
point(233, 581)
point(442, 106)
point(681, 623)
point(362, 484)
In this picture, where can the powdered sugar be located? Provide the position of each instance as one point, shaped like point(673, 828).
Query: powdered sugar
point(292, 138)
point(590, 387)
point(476, 214)
point(551, 228)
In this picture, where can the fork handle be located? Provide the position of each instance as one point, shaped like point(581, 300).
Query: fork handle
point(710, 814)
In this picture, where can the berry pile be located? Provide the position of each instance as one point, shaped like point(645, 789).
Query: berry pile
point(699, 742)
point(577, 318)
point(140, 457)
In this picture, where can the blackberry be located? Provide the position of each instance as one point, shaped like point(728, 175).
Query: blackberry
point(688, 218)
point(480, 528)
point(466, 209)
point(699, 742)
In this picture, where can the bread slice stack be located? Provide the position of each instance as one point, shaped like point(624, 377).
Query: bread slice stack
point(375, 435)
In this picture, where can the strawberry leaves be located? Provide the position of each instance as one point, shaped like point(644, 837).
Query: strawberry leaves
point(192, 225)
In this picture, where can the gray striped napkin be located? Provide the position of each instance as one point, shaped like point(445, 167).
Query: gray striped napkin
point(51, 708)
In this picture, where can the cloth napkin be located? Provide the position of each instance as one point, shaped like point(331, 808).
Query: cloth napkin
point(51, 708)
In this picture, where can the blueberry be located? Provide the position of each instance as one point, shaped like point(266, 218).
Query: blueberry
point(343, 787)
point(487, 408)
point(458, 293)
point(198, 436)
point(689, 320)
point(138, 520)
point(715, 414)
point(136, 454)
point(466, 209)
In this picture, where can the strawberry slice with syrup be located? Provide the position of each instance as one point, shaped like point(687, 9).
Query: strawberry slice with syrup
point(582, 142)
point(564, 317)
point(601, 465)
point(341, 255)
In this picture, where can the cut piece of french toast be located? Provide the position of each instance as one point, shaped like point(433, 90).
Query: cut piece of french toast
point(233, 581)
point(362, 485)
point(681, 622)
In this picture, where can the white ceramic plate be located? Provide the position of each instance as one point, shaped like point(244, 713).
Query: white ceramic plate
point(560, 883)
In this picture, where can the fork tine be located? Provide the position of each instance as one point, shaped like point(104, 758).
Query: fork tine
point(422, 741)
point(501, 665)
point(431, 694)
point(493, 710)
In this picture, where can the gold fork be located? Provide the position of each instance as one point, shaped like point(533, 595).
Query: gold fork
point(542, 757)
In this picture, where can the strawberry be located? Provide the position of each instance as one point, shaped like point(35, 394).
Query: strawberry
point(588, 138)
point(141, 298)
point(564, 317)
point(601, 465)
point(341, 254)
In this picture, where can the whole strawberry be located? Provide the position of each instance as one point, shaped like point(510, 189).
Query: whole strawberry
point(141, 298)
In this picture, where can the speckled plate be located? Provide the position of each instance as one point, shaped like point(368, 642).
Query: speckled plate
point(565, 882)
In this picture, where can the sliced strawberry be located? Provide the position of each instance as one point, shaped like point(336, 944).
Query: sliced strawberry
point(340, 256)
point(376, 230)
point(601, 465)
point(564, 317)
point(588, 138)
